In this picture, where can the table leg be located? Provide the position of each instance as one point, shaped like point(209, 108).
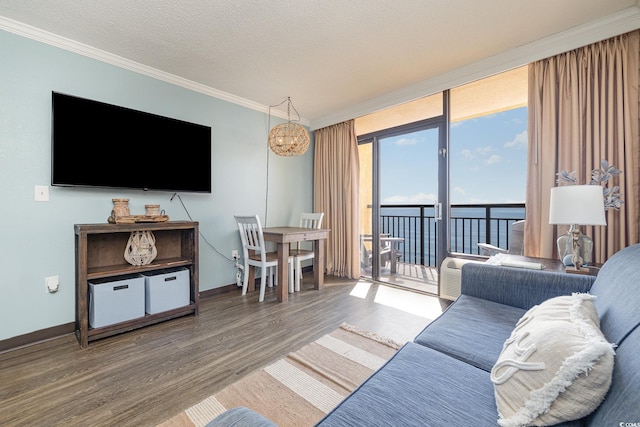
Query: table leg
point(251, 286)
point(283, 272)
point(318, 264)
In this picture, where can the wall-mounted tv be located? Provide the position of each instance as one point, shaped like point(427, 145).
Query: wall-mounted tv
point(95, 144)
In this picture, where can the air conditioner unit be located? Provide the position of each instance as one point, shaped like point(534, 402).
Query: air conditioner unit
point(450, 277)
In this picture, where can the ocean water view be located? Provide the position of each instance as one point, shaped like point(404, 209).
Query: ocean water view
point(469, 225)
point(485, 181)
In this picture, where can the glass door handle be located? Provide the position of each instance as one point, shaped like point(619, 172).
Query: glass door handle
point(437, 211)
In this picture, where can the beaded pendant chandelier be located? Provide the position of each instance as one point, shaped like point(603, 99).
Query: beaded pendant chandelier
point(290, 138)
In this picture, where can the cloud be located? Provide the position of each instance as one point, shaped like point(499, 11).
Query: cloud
point(415, 199)
point(459, 190)
point(520, 141)
point(467, 154)
point(406, 141)
point(483, 151)
point(493, 159)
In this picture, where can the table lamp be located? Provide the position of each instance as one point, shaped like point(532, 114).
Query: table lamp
point(576, 205)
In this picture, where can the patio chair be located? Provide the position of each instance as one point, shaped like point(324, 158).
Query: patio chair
point(516, 245)
point(366, 254)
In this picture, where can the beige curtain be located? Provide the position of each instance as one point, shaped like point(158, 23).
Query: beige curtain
point(583, 108)
point(336, 172)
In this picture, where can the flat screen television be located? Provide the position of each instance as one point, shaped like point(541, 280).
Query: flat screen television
point(95, 144)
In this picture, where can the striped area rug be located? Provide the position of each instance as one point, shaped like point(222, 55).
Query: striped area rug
point(301, 388)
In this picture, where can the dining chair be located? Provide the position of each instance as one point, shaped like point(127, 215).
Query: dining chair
point(254, 253)
point(299, 254)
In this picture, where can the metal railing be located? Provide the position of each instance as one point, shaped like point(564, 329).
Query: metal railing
point(469, 225)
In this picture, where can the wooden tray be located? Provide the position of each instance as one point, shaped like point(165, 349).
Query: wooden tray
point(137, 218)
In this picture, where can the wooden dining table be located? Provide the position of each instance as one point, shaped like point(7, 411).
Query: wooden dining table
point(284, 236)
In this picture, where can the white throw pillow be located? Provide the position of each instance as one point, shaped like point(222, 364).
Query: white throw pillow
point(556, 366)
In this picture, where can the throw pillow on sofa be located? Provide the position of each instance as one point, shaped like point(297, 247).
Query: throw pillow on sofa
point(556, 366)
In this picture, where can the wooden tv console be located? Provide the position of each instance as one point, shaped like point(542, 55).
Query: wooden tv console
point(100, 254)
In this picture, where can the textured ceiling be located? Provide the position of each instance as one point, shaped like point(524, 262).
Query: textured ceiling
point(328, 55)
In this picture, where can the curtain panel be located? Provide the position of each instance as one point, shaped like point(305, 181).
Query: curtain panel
point(583, 108)
point(336, 175)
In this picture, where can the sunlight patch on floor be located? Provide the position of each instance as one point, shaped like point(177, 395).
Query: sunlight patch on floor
point(410, 302)
point(361, 289)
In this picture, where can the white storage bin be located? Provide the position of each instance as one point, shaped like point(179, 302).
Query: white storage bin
point(166, 289)
point(115, 300)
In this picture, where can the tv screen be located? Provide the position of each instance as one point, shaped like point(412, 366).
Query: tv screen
point(102, 145)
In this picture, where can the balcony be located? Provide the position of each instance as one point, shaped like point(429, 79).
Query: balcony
point(417, 253)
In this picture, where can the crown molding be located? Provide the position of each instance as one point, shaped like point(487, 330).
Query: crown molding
point(582, 35)
point(606, 27)
point(55, 40)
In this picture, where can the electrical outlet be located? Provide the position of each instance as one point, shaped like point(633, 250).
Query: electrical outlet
point(234, 254)
point(52, 283)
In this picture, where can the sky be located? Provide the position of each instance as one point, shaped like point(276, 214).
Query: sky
point(488, 162)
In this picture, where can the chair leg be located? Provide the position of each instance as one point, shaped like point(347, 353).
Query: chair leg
point(291, 277)
point(245, 279)
point(269, 277)
point(298, 274)
point(263, 278)
point(274, 275)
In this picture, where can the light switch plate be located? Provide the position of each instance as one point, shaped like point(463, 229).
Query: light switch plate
point(41, 193)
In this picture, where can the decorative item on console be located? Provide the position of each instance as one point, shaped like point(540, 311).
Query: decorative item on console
point(120, 213)
point(152, 210)
point(141, 248)
point(120, 208)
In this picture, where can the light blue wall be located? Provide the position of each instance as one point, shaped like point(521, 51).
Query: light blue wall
point(37, 238)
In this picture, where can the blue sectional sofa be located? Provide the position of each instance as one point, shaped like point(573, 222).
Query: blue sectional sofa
point(444, 377)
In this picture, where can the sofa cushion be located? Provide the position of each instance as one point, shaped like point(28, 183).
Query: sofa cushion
point(618, 294)
point(472, 330)
point(419, 387)
point(519, 287)
point(622, 403)
point(556, 365)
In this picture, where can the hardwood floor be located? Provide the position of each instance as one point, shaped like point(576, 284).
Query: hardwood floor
point(146, 376)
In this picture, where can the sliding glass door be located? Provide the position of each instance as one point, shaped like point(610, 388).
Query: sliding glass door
point(403, 189)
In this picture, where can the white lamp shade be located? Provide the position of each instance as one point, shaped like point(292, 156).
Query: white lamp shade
point(577, 204)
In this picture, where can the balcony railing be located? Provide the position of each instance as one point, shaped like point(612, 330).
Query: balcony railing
point(469, 225)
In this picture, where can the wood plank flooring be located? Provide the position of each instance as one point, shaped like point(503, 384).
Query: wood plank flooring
point(146, 376)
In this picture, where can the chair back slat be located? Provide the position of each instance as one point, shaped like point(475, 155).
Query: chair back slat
point(311, 220)
point(251, 235)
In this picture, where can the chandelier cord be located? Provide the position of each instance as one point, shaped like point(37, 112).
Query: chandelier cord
point(266, 191)
point(289, 107)
point(294, 145)
point(294, 109)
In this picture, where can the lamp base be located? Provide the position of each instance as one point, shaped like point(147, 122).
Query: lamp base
point(575, 248)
